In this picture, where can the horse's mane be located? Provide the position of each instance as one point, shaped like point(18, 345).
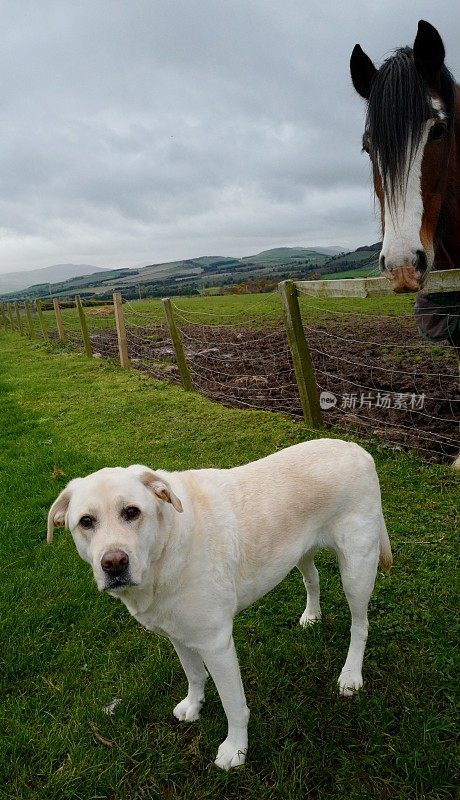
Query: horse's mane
point(399, 104)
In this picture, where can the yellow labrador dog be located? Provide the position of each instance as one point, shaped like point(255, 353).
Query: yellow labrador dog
point(185, 551)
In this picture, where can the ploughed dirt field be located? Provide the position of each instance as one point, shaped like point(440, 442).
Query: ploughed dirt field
point(381, 378)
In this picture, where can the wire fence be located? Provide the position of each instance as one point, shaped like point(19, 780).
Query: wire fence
point(374, 374)
point(377, 376)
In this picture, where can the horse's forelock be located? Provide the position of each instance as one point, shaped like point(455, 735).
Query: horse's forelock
point(399, 105)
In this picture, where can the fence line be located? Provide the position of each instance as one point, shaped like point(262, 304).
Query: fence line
point(373, 385)
point(121, 331)
point(59, 322)
point(303, 365)
point(447, 280)
point(186, 378)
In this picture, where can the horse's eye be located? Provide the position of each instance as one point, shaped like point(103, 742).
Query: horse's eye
point(86, 522)
point(437, 131)
point(131, 512)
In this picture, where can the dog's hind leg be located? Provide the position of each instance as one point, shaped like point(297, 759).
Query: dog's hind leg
point(188, 710)
point(358, 568)
point(310, 576)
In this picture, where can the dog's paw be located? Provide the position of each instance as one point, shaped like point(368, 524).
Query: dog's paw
point(188, 710)
point(230, 754)
point(309, 619)
point(350, 683)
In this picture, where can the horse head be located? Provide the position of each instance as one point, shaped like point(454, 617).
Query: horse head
point(408, 135)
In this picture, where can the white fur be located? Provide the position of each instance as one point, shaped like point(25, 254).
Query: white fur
point(438, 106)
point(241, 531)
point(401, 238)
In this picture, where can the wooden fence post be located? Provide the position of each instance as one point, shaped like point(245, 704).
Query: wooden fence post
point(29, 320)
point(121, 330)
point(177, 344)
point(84, 327)
point(18, 319)
point(41, 318)
point(10, 315)
point(303, 366)
point(59, 323)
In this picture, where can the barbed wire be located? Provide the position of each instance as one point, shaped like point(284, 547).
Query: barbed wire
point(364, 314)
point(241, 313)
point(374, 388)
point(373, 366)
point(396, 443)
point(244, 360)
point(420, 345)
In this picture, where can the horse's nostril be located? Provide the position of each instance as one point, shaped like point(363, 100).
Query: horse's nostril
point(382, 263)
point(114, 562)
point(421, 264)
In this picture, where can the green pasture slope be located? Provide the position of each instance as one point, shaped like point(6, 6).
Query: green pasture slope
point(359, 272)
point(248, 310)
point(66, 650)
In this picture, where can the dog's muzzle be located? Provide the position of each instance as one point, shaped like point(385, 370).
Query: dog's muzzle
point(115, 565)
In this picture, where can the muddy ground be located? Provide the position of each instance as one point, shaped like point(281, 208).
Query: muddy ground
point(387, 382)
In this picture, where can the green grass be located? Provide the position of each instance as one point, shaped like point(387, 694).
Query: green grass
point(359, 272)
point(248, 310)
point(67, 650)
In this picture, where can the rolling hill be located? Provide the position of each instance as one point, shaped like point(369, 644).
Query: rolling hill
point(13, 281)
point(194, 275)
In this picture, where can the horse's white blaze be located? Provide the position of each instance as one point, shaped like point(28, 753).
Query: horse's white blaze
point(438, 106)
point(401, 238)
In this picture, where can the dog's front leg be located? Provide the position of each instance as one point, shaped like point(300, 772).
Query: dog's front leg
point(223, 667)
point(188, 710)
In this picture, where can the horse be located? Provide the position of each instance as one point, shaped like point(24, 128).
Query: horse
point(412, 136)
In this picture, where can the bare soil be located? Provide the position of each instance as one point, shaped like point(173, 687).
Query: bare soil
point(387, 381)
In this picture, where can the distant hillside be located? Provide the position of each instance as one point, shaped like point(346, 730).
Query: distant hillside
point(284, 255)
point(376, 246)
point(12, 281)
point(86, 285)
point(196, 266)
point(330, 251)
point(364, 261)
point(198, 275)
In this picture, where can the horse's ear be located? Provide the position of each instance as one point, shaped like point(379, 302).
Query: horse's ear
point(429, 52)
point(362, 71)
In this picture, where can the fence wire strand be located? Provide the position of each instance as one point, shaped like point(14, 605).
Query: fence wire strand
point(374, 365)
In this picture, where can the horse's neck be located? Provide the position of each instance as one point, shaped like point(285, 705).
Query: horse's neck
point(448, 246)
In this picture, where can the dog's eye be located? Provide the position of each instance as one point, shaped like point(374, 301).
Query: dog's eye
point(86, 522)
point(131, 512)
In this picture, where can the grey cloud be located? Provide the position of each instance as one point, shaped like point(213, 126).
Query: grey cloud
point(146, 131)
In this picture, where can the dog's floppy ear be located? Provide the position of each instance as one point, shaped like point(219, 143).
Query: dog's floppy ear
point(156, 484)
point(57, 512)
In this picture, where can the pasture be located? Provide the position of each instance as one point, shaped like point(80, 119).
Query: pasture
point(67, 651)
point(388, 381)
point(251, 310)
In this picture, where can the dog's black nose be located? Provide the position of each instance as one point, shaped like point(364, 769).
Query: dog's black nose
point(114, 562)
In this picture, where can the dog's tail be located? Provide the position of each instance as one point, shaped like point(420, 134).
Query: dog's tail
point(386, 557)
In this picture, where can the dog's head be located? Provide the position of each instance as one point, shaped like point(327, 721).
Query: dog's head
point(118, 518)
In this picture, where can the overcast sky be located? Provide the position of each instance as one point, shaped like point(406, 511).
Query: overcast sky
point(136, 131)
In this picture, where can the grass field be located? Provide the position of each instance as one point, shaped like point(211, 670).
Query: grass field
point(68, 651)
point(248, 310)
point(359, 272)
